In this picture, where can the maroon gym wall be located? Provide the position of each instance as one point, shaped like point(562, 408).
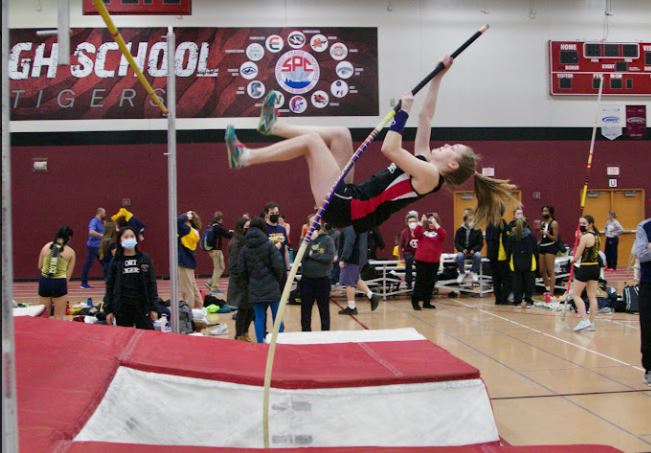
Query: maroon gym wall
point(82, 178)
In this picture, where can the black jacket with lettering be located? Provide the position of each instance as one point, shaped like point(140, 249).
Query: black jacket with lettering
point(112, 295)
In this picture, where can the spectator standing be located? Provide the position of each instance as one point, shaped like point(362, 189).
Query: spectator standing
point(315, 281)
point(497, 237)
point(189, 225)
point(612, 230)
point(219, 233)
point(521, 248)
point(56, 263)
point(95, 233)
point(352, 257)
point(126, 218)
point(131, 295)
point(642, 249)
point(107, 246)
point(548, 248)
point(237, 289)
point(430, 236)
point(408, 245)
point(260, 268)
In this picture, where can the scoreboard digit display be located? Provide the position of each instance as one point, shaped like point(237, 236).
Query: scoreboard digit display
point(144, 7)
point(574, 68)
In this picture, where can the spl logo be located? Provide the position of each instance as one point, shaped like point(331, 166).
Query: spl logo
point(297, 72)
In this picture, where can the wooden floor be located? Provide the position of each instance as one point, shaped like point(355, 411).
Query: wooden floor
point(547, 384)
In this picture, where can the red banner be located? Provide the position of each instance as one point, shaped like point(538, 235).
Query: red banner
point(182, 7)
point(221, 72)
point(636, 121)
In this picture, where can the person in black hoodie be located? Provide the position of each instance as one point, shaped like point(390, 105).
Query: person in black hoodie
point(497, 237)
point(522, 250)
point(315, 281)
point(260, 267)
point(468, 242)
point(237, 292)
point(219, 233)
point(131, 293)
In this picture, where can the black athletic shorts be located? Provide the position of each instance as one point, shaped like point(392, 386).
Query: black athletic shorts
point(587, 273)
point(52, 287)
point(552, 248)
point(337, 213)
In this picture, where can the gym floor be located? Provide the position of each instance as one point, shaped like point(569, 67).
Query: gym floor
point(548, 385)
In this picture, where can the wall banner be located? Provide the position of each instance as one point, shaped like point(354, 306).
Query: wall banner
point(221, 72)
point(636, 121)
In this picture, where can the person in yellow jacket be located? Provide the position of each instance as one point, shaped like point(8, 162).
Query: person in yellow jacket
point(189, 225)
point(125, 218)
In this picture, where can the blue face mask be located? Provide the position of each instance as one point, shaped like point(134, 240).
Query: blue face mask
point(129, 243)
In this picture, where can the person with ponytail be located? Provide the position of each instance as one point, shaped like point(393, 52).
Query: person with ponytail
point(586, 272)
point(409, 177)
point(131, 294)
point(56, 263)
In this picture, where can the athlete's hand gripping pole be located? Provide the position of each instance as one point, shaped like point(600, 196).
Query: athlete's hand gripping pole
point(315, 222)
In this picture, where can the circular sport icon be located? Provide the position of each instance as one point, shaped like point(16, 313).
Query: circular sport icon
point(297, 72)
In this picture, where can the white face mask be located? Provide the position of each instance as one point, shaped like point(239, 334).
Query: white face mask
point(412, 225)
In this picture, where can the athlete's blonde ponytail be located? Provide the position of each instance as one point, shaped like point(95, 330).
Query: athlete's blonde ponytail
point(493, 195)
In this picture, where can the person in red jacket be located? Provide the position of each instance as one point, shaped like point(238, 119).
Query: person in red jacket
point(407, 246)
point(430, 237)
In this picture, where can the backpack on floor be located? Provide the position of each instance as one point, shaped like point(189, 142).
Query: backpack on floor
point(185, 318)
point(207, 242)
point(632, 299)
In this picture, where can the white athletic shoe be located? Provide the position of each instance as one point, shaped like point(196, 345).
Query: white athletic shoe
point(582, 325)
point(475, 277)
point(647, 378)
point(592, 327)
point(220, 329)
point(461, 278)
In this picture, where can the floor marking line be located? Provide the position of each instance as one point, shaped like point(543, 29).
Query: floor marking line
point(572, 402)
point(533, 329)
point(526, 397)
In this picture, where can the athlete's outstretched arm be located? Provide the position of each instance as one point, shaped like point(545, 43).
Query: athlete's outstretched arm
point(393, 150)
point(422, 143)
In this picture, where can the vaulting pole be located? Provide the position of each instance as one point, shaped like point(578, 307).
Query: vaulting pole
point(101, 8)
point(308, 237)
point(584, 193)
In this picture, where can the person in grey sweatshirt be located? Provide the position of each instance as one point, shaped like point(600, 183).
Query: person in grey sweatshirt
point(315, 281)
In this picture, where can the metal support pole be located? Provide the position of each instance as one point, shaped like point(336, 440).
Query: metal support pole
point(9, 413)
point(63, 32)
point(172, 211)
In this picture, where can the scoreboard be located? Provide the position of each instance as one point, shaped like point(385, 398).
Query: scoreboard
point(575, 66)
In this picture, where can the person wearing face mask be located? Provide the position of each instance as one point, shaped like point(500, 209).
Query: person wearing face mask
point(408, 245)
point(497, 238)
point(586, 272)
point(468, 241)
point(131, 292)
point(316, 269)
point(549, 234)
point(430, 236)
point(95, 232)
point(189, 225)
